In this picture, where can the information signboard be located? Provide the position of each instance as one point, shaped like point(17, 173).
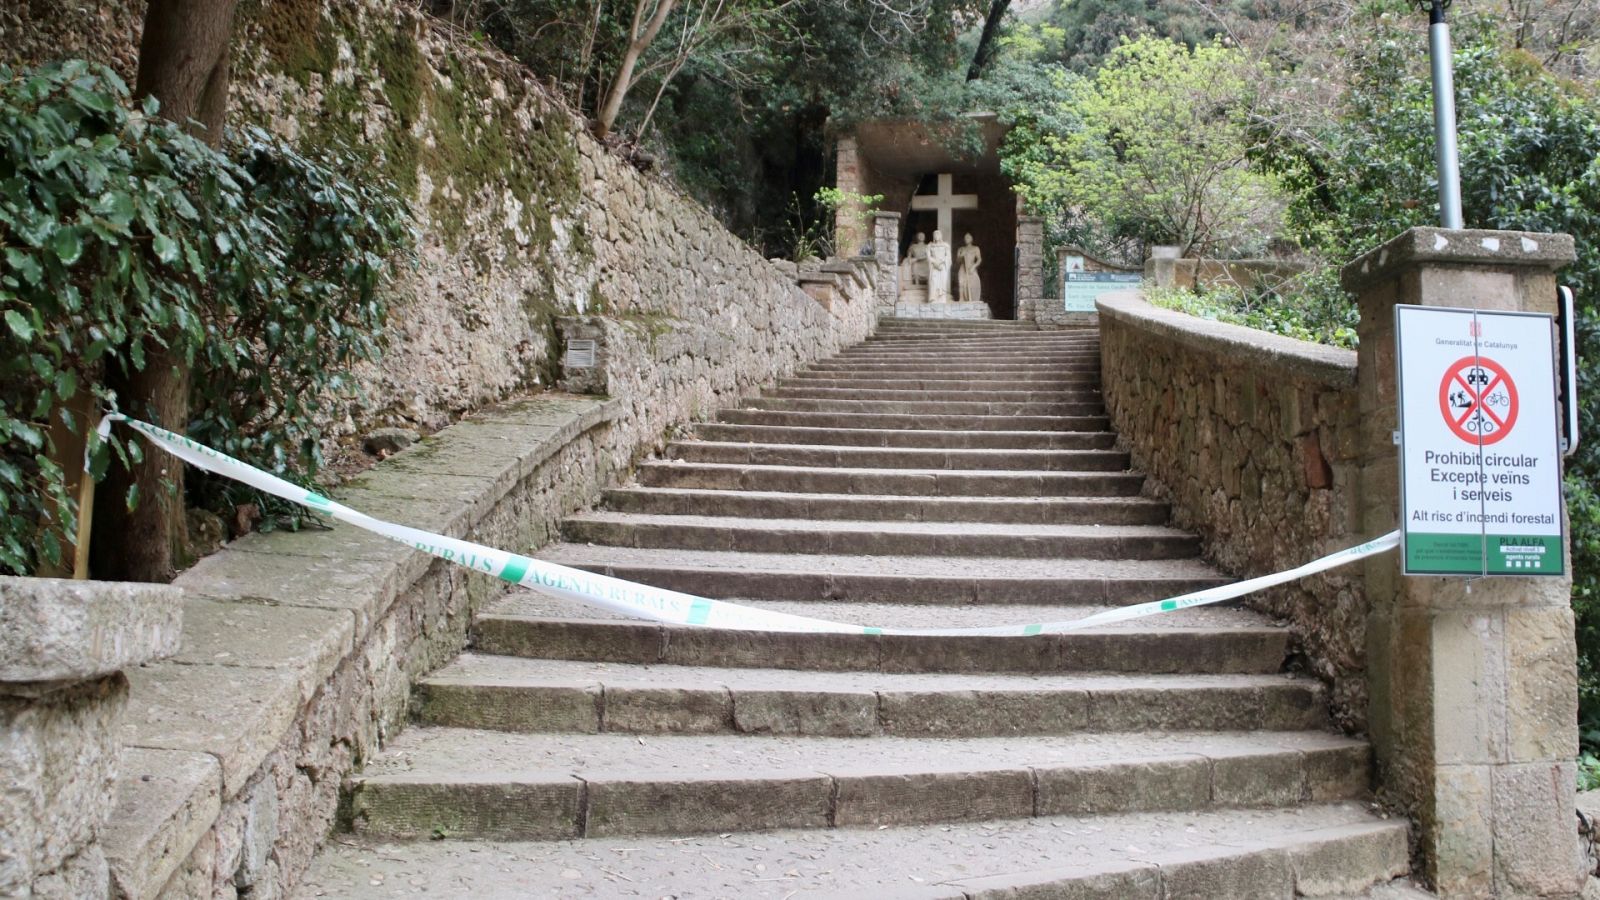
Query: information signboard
point(1080, 289)
point(1480, 468)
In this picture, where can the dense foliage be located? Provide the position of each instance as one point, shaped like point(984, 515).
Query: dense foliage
point(778, 80)
point(1157, 151)
point(1530, 149)
point(119, 233)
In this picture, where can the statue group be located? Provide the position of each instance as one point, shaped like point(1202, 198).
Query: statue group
point(927, 264)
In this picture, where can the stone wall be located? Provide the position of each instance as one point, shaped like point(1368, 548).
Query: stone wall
point(522, 216)
point(1253, 439)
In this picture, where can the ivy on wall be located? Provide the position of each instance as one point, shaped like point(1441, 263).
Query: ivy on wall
point(120, 233)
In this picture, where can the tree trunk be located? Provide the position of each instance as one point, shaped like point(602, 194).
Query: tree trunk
point(991, 33)
point(183, 62)
point(638, 41)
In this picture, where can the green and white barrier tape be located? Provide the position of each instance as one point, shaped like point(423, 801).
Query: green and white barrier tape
point(673, 607)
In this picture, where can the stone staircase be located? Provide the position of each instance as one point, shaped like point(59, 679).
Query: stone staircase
point(941, 474)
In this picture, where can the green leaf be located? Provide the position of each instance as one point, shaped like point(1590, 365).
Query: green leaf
point(68, 245)
point(166, 249)
point(25, 264)
point(19, 326)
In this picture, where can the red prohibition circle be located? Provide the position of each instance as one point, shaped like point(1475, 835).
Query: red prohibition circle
point(1478, 400)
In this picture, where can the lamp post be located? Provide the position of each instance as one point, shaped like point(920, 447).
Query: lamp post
point(1445, 152)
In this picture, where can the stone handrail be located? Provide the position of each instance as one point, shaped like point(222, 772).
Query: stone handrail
point(1253, 439)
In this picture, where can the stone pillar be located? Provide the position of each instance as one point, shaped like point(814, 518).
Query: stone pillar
point(848, 219)
point(63, 646)
point(1473, 681)
point(886, 249)
point(1160, 269)
point(1030, 260)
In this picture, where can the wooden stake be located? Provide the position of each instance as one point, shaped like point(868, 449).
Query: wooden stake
point(80, 548)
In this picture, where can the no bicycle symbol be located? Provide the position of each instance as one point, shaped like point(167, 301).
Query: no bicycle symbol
point(1478, 400)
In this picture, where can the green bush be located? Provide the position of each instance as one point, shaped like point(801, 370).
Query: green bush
point(1530, 161)
point(1279, 312)
point(121, 233)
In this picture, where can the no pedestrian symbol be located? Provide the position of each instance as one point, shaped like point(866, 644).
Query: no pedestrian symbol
point(1478, 400)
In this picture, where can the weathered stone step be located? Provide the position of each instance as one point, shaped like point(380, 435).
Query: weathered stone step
point(901, 334)
point(897, 437)
point(918, 482)
point(508, 693)
point(998, 347)
point(930, 421)
point(974, 348)
point(969, 369)
point(997, 353)
point(969, 539)
point(904, 580)
point(965, 359)
point(467, 783)
point(913, 324)
point(948, 382)
point(804, 390)
point(1321, 850)
point(1088, 407)
point(1201, 641)
point(899, 457)
point(781, 505)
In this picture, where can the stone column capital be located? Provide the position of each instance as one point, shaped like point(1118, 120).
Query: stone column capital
point(1417, 247)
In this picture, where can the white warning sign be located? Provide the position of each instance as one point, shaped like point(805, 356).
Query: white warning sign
point(1480, 467)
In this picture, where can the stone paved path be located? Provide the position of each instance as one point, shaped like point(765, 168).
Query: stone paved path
point(941, 473)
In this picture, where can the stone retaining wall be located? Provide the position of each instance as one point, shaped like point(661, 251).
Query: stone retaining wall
point(1253, 438)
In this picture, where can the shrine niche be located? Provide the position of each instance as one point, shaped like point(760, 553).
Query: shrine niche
point(947, 230)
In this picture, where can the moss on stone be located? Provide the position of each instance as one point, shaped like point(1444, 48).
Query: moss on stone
point(294, 34)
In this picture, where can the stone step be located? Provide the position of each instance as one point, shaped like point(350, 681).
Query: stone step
point(984, 346)
point(896, 335)
point(916, 482)
point(998, 353)
point(896, 437)
point(507, 786)
point(1209, 641)
point(782, 505)
point(507, 693)
point(888, 323)
point(1322, 850)
point(1088, 407)
point(970, 357)
point(833, 456)
point(902, 580)
point(931, 421)
point(966, 539)
point(976, 370)
point(947, 382)
point(804, 390)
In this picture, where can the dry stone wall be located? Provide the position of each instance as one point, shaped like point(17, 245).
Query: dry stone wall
point(521, 216)
point(1253, 438)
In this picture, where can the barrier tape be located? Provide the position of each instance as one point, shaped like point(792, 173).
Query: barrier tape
point(667, 606)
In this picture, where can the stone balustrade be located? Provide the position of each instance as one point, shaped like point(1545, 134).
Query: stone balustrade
point(63, 699)
point(1252, 438)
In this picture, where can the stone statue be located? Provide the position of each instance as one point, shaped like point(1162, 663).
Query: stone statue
point(938, 269)
point(914, 268)
point(968, 258)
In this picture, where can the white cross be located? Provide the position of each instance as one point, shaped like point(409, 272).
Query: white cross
point(944, 201)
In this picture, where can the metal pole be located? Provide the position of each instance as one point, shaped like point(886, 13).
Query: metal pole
point(1444, 118)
